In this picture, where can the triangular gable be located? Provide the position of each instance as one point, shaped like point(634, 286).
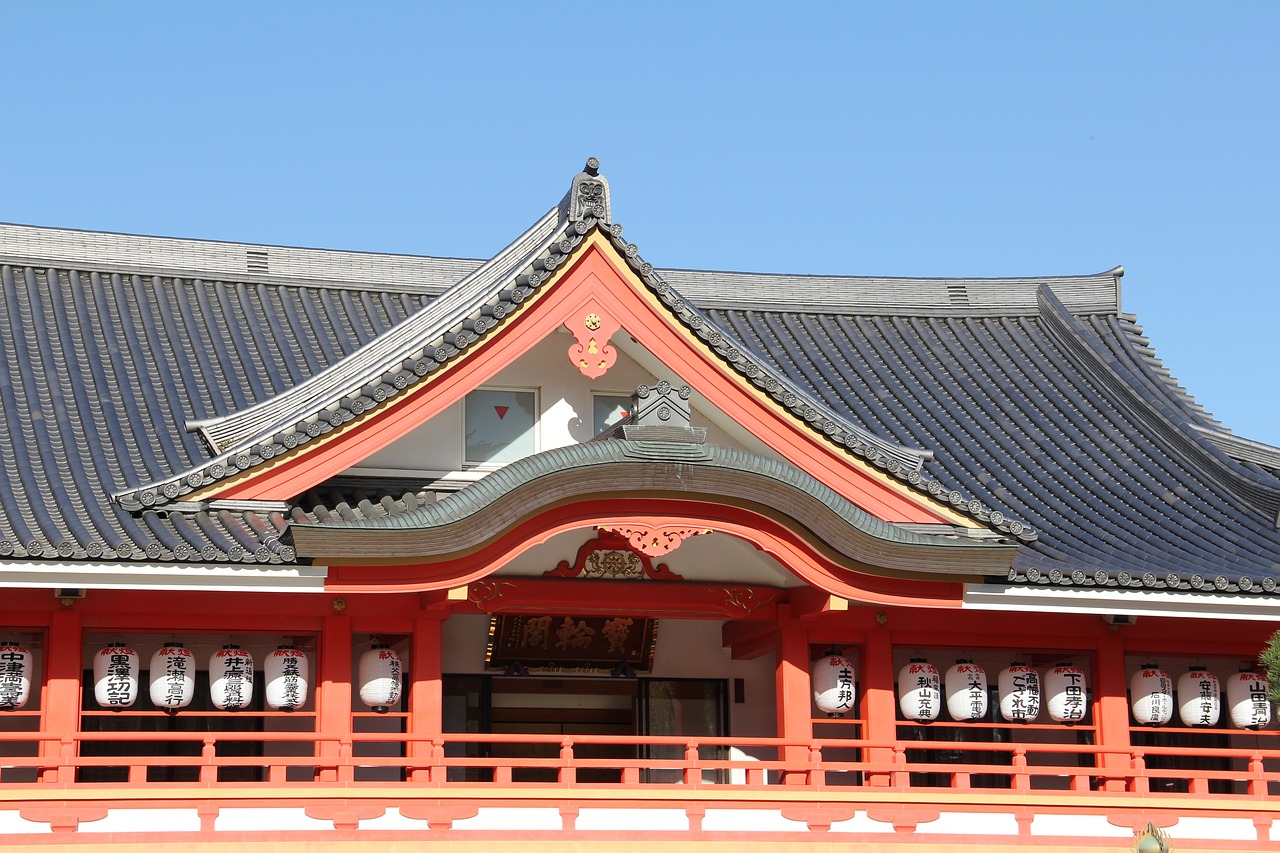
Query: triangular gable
point(571, 269)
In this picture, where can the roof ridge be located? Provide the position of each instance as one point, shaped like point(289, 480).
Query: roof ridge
point(1097, 293)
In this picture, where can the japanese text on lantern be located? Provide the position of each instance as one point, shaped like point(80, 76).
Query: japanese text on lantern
point(12, 672)
point(119, 675)
point(176, 661)
point(1073, 702)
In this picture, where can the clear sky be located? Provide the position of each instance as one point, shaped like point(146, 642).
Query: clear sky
point(935, 139)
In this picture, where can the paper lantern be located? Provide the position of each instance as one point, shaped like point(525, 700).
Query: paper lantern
point(966, 685)
point(380, 677)
point(1199, 697)
point(1151, 695)
point(918, 693)
point(231, 678)
point(15, 676)
point(1019, 687)
point(115, 676)
point(832, 678)
point(287, 673)
point(173, 674)
point(1065, 686)
point(1247, 698)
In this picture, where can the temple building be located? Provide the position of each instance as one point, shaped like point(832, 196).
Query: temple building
point(341, 549)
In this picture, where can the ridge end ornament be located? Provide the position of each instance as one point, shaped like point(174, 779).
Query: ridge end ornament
point(589, 194)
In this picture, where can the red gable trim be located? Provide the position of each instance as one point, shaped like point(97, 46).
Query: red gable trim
point(592, 277)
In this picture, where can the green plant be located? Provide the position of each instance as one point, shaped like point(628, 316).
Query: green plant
point(1270, 660)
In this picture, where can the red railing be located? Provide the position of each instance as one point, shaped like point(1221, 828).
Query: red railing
point(305, 758)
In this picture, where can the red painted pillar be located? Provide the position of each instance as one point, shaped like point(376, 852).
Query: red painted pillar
point(795, 719)
point(426, 696)
point(334, 696)
point(63, 665)
point(1112, 708)
point(879, 707)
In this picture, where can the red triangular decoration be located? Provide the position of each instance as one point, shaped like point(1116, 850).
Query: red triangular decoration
point(502, 411)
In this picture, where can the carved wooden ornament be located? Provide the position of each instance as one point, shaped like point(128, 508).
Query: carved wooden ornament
point(592, 354)
point(612, 556)
point(655, 540)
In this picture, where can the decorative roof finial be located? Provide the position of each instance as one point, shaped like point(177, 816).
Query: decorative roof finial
point(589, 195)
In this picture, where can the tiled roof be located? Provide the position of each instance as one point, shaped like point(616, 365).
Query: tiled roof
point(100, 370)
point(1032, 404)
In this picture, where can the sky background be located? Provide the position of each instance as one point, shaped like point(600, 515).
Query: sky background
point(902, 139)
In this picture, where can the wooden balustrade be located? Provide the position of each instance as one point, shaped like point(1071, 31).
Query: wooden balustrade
point(301, 758)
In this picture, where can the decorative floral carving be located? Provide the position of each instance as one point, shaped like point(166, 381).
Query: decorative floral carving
point(611, 556)
point(655, 540)
point(592, 354)
point(482, 592)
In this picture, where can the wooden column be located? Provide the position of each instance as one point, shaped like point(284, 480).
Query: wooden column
point(334, 697)
point(795, 719)
point(426, 697)
point(63, 668)
point(1112, 707)
point(879, 707)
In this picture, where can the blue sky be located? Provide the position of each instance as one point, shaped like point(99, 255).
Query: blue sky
point(936, 139)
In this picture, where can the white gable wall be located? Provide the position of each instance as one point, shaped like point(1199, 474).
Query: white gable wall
point(435, 449)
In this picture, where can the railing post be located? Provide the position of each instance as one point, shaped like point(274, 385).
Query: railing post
point(1140, 783)
point(1257, 785)
point(692, 773)
point(901, 778)
point(209, 761)
point(568, 775)
point(1021, 779)
point(346, 762)
point(436, 771)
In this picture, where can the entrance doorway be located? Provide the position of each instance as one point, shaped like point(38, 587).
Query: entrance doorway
point(622, 707)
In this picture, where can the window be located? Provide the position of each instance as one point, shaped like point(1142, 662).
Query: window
point(608, 409)
point(499, 426)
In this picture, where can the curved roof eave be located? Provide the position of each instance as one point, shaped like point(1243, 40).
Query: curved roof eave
point(624, 468)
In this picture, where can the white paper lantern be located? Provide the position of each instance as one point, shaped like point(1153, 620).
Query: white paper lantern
point(287, 674)
point(231, 678)
point(1151, 695)
point(918, 693)
point(1199, 697)
point(966, 685)
point(380, 677)
point(1019, 687)
point(16, 667)
point(833, 684)
point(173, 677)
point(1247, 698)
point(1068, 693)
point(115, 676)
